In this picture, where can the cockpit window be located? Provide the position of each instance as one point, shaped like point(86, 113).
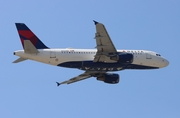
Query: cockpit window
point(158, 55)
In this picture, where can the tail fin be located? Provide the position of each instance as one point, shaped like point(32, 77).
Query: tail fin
point(26, 34)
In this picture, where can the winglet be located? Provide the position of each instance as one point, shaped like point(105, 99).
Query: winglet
point(58, 84)
point(95, 22)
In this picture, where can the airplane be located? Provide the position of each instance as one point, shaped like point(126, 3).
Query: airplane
point(98, 63)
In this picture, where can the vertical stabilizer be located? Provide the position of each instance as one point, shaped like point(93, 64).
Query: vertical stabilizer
point(27, 36)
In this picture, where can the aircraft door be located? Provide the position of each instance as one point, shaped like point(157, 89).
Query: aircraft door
point(148, 56)
point(52, 54)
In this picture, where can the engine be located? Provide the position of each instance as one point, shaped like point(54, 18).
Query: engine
point(123, 58)
point(109, 78)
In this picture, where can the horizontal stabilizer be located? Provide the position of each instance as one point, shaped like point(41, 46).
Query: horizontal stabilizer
point(19, 60)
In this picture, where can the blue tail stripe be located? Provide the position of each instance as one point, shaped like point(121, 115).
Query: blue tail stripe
point(21, 26)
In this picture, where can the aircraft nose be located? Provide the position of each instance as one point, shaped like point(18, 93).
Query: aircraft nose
point(165, 62)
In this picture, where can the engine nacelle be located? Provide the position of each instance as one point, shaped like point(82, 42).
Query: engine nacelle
point(109, 78)
point(123, 58)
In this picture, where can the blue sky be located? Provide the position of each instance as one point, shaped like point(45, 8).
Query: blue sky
point(28, 89)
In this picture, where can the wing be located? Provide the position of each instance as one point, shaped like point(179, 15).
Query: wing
point(76, 79)
point(105, 46)
point(83, 76)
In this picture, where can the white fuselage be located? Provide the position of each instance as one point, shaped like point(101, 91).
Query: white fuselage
point(59, 56)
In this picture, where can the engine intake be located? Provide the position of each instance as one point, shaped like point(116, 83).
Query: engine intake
point(109, 78)
point(123, 58)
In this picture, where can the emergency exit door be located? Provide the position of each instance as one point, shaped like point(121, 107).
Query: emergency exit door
point(148, 56)
point(52, 54)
